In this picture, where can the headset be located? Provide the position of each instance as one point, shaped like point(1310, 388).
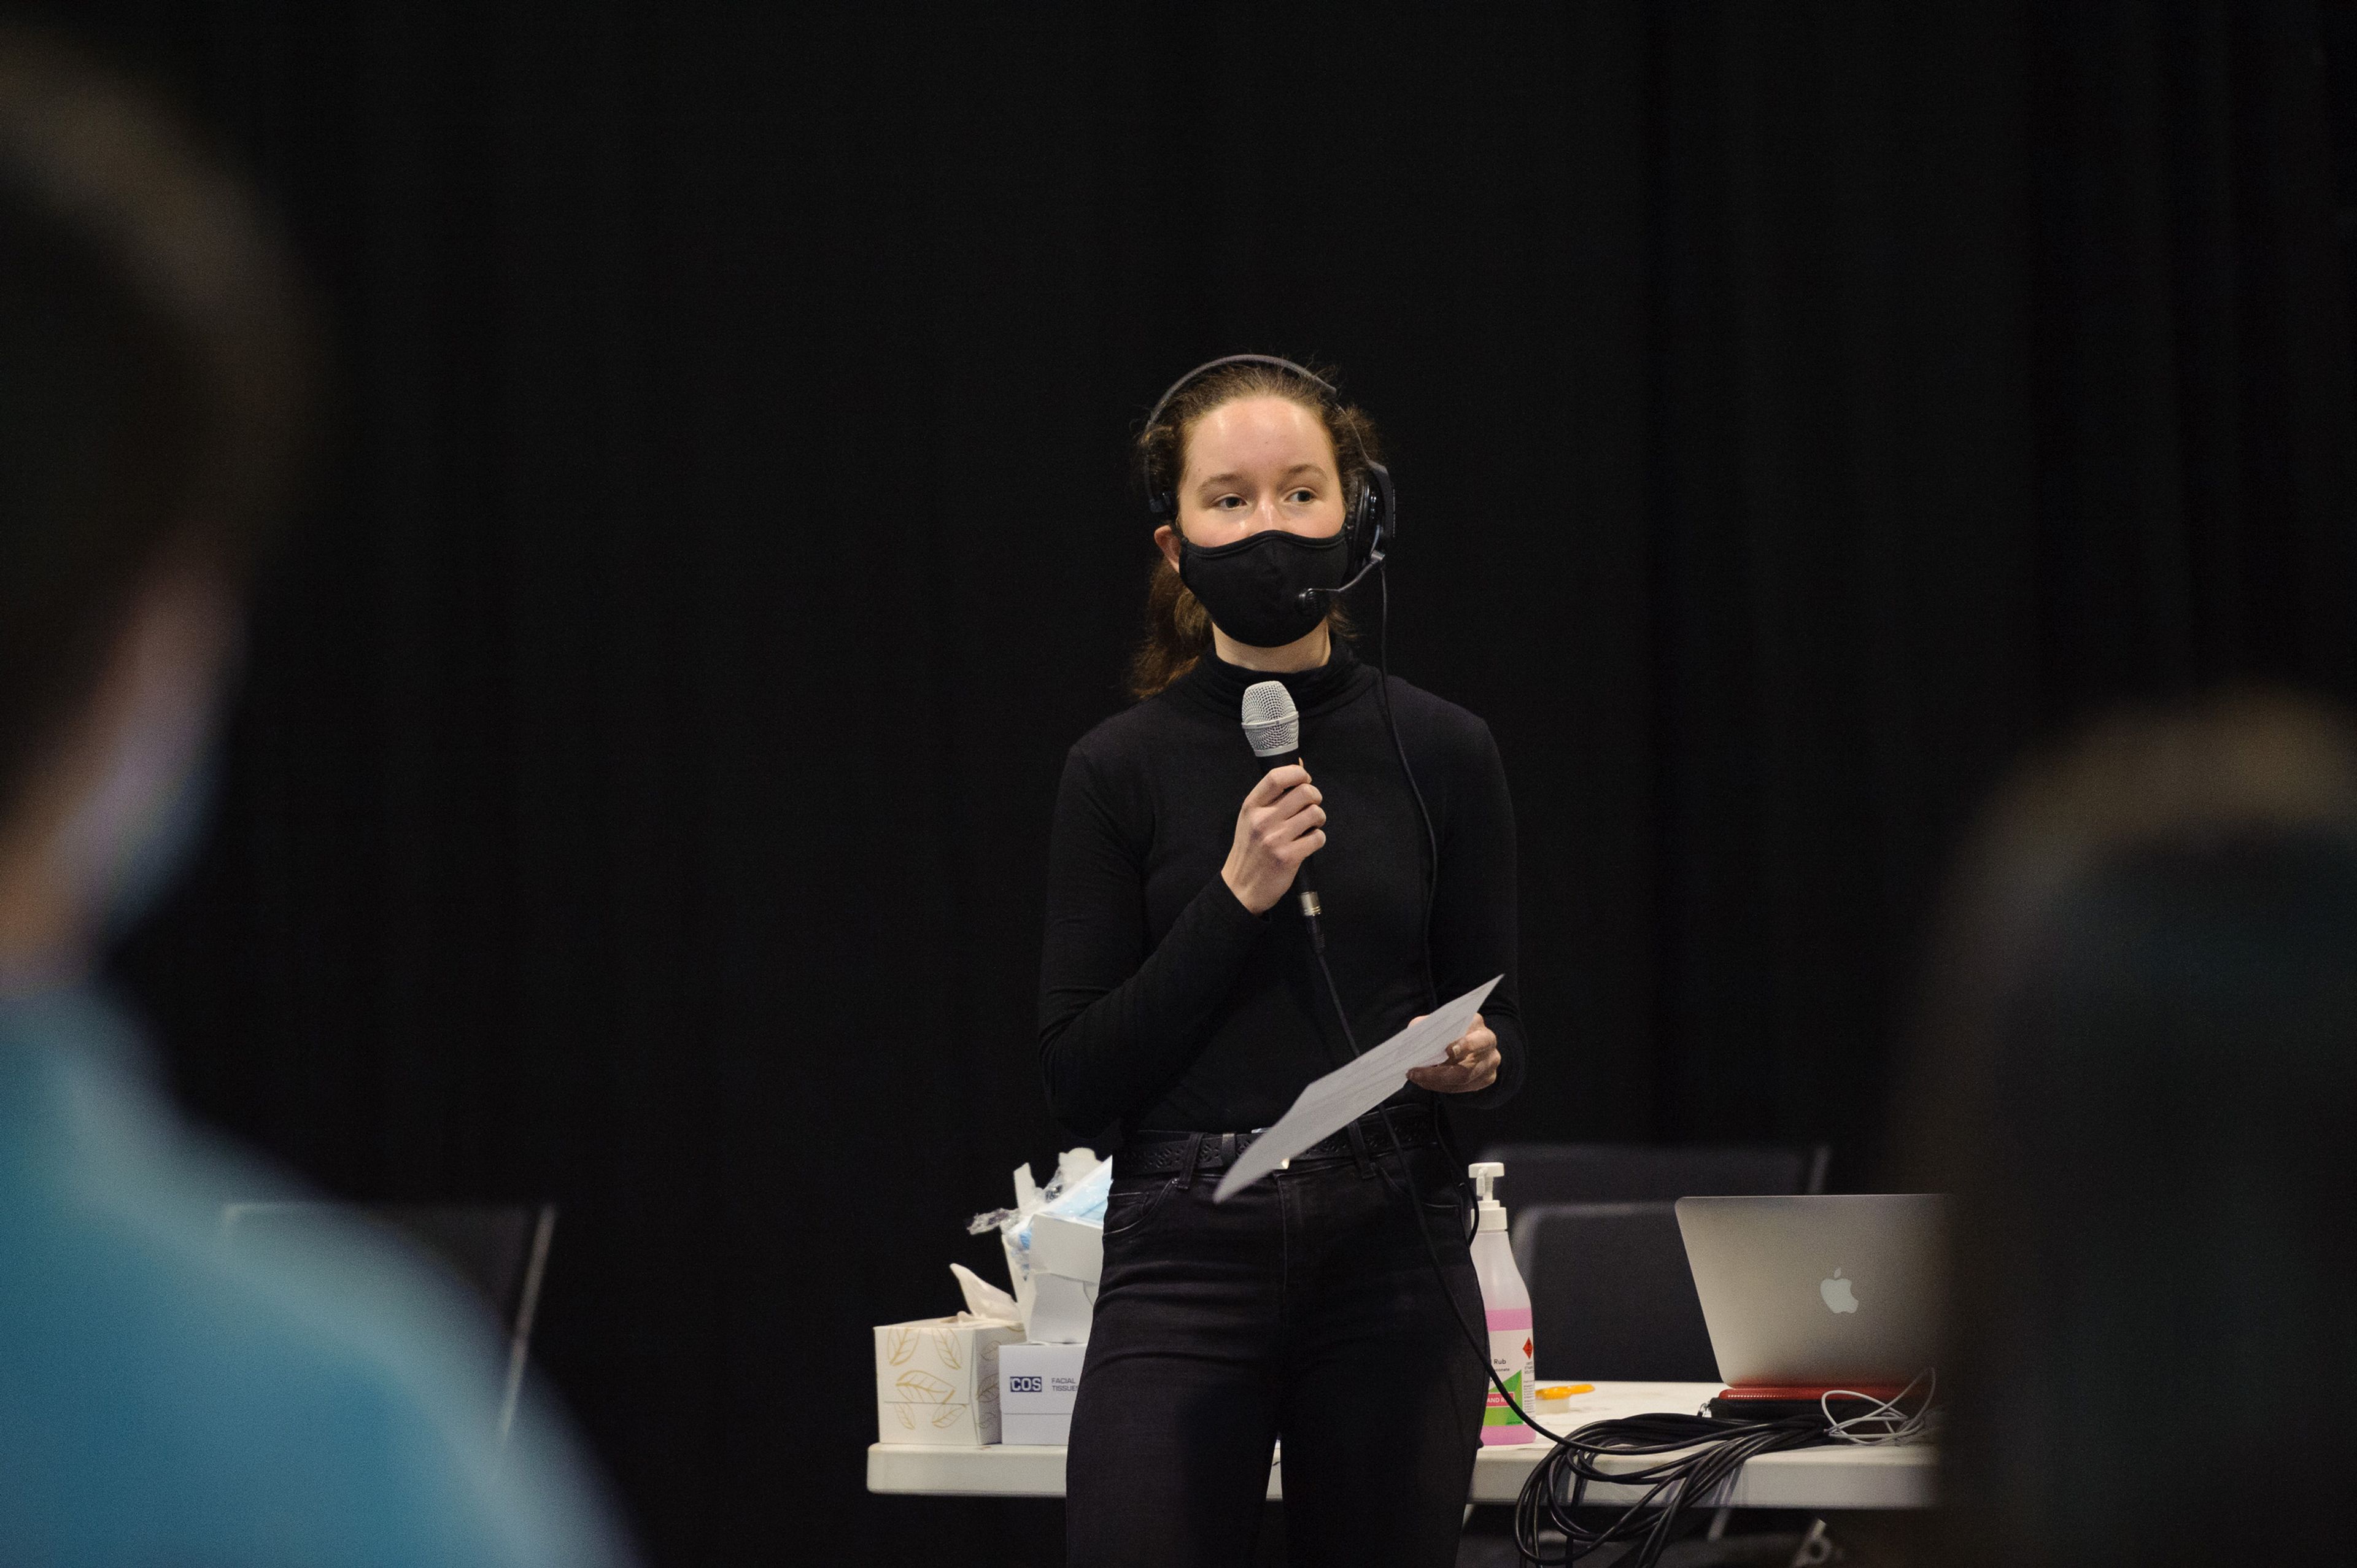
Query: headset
point(1372, 526)
point(1371, 529)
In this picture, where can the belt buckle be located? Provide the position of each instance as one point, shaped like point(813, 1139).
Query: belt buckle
point(1283, 1165)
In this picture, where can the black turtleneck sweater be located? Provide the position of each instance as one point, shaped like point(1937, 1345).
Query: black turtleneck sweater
point(1163, 1003)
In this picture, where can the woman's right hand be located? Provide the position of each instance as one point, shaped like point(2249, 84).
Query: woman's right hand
point(1281, 825)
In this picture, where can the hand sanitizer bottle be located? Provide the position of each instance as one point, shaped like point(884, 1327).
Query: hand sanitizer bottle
point(1506, 1301)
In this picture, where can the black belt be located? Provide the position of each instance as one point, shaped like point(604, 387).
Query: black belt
point(1154, 1153)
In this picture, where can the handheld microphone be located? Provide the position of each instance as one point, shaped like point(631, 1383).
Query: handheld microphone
point(1272, 726)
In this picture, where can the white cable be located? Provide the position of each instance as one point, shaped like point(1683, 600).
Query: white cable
point(1895, 1423)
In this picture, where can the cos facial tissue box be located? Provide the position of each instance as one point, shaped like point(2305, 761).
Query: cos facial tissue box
point(937, 1380)
point(1038, 1384)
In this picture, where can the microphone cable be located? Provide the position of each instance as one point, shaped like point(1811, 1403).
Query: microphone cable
point(1431, 839)
point(1350, 1039)
point(1698, 1454)
point(1440, 1275)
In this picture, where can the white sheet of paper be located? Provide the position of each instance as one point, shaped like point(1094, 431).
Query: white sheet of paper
point(1349, 1092)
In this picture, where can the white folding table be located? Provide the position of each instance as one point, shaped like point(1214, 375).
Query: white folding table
point(1834, 1476)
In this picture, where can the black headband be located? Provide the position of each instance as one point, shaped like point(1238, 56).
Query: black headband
point(1200, 371)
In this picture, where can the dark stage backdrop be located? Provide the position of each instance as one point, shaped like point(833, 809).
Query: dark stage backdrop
point(639, 792)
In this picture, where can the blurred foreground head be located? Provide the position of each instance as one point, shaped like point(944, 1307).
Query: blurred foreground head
point(152, 381)
point(165, 1398)
point(2139, 1076)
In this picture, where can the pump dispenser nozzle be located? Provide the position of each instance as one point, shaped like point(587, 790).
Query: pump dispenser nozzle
point(1493, 1213)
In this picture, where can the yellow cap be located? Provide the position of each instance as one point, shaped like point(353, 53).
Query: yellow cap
point(1564, 1390)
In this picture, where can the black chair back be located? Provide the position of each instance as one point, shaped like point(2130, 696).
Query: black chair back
point(1611, 1296)
point(487, 1247)
point(499, 1252)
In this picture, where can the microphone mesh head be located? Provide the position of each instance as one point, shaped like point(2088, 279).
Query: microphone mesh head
point(1272, 723)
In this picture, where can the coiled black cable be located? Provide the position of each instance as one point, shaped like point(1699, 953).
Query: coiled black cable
point(1698, 1454)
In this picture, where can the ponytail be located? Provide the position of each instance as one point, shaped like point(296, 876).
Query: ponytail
point(1177, 630)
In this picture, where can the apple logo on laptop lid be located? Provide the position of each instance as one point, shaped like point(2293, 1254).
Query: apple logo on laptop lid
point(1836, 1292)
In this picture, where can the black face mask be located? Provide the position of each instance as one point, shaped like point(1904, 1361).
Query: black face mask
point(1252, 589)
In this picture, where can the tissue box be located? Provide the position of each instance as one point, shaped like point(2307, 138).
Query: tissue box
point(1072, 1248)
point(937, 1380)
point(1038, 1384)
point(1062, 1309)
point(1067, 1258)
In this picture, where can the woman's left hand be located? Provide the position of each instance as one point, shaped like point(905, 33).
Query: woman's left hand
point(1472, 1063)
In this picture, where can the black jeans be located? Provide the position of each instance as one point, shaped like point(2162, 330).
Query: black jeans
point(1303, 1306)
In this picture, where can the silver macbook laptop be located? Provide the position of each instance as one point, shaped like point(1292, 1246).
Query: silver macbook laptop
point(1833, 1291)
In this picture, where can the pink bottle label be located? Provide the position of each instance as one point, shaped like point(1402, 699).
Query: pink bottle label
point(1509, 1359)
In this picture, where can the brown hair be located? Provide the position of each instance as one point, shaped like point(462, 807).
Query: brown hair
point(2235, 765)
point(1178, 629)
point(154, 351)
point(2236, 762)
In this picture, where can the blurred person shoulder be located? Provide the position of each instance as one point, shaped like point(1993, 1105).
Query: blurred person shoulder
point(169, 1397)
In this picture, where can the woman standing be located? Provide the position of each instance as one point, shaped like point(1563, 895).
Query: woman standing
point(1182, 999)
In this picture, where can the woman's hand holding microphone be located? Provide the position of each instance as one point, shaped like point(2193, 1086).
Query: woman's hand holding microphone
point(1280, 825)
point(1283, 823)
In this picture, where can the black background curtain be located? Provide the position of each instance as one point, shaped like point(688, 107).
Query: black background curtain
point(639, 791)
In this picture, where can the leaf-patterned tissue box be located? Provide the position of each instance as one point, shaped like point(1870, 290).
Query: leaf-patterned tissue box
point(937, 1380)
